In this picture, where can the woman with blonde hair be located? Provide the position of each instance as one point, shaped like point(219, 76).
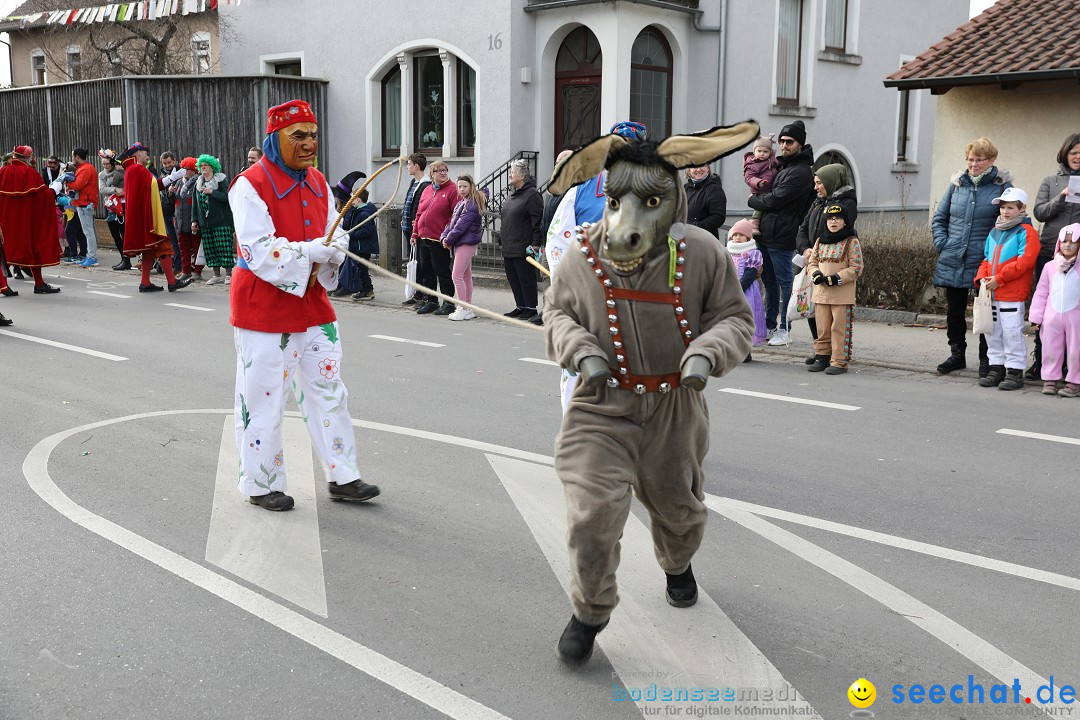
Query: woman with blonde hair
point(963, 219)
point(461, 237)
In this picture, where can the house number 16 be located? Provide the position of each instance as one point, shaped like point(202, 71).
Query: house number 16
point(495, 41)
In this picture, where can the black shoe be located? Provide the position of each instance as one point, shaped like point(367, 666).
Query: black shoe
point(445, 309)
point(150, 288)
point(537, 319)
point(835, 370)
point(19, 275)
point(518, 312)
point(810, 360)
point(681, 588)
point(429, 307)
point(956, 361)
point(994, 375)
point(339, 292)
point(45, 289)
point(1014, 380)
point(124, 264)
point(179, 285)
point(749, 357)
point(576, 644)
point(411, 301)
point(276, 501)
point(356, 490)
point(4, 322)
point(984, 368)
point(8, 292)
point(364, 295)
point(820, 363)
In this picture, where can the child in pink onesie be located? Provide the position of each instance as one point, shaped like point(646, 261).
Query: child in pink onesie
point(759, 170)
point(1055, 312)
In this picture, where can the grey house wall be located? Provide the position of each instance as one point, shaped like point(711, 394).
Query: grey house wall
point(353, 44)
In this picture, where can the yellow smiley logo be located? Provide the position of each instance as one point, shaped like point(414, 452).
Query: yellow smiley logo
point(862, 693)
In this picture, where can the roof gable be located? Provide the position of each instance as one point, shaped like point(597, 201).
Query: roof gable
point(1013, 41)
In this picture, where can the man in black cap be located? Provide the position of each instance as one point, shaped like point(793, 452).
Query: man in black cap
point(782, 211)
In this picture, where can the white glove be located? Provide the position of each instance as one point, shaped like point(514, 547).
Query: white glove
point(173, 176)
point(340, 246)
point(317, 252)
point(57, 187)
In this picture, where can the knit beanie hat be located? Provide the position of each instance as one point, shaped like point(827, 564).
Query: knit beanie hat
point(837, 210)
point(765, 141)
point(796, 131)
point(833, 177)
point(743, 227)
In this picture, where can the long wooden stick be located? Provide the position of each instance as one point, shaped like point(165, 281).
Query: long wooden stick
point(532, 261)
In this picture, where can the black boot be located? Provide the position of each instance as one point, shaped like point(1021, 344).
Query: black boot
point(1014, 380)
point(124, 264)
point(810, 360)
point(681, 588)
point(820, 363)
point(995, 374)
point(4, 322)
point(955, 361)
point(576, 643)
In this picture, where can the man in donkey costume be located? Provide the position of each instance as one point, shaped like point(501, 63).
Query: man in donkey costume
point(645, 308)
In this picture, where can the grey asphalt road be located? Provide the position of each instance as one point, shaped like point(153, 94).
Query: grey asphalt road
point(837, 561)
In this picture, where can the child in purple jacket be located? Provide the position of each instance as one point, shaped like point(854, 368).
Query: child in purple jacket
point(462, 236)
point(759, 169)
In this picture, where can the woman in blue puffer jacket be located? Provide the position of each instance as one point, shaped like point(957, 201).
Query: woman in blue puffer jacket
point(963, 219)
point(462, 236)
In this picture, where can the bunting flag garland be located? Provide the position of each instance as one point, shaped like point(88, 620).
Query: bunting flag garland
point(148, 10)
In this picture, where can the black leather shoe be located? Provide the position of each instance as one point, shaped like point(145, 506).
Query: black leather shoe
point(820, 363)
point(45, 289)
point(445, 309)
point(276, 501)
point(952, 363)
point(427, 308)
point(150, 288)
point(4, 322)
point(179, 284)
point(537, 319)
point(810, 360)
point(576, 644)
point(356, 490)
point(516, 312)
point(682, 588)
point(124, 264)
point(8, 292)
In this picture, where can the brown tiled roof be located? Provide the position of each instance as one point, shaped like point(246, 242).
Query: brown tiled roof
point(1011, 42)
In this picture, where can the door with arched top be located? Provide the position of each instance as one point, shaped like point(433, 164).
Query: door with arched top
point(578, 68)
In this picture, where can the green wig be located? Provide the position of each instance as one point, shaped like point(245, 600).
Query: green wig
point(209, 160)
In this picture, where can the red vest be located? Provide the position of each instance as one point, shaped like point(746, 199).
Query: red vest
point(300, 214)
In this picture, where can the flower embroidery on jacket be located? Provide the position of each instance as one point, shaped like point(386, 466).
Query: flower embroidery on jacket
point(279, 459)
point(328, 368)
point(338, 445)
point(276, 254)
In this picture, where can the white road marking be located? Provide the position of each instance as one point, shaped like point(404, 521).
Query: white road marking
point(1040, 436)
point(108, 294)
point(279, 552)
point(65, 346)
point(695, 647)
point(785, 398)
point(957, 637)
point(722, 504)
point(539, 361)
point(449, 702)
point(72, 277)
point(190, 307)
point(406, 340)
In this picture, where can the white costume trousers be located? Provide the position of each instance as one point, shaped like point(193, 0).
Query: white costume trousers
point(1006, 345)
point(310, 364)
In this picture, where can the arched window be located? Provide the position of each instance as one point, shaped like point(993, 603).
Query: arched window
point(650, 82)
point(578, 67)
point(830, 157)
point(438, 111)
point(391, 111)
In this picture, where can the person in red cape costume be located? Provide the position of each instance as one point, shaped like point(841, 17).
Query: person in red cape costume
point(144, 222)
point(285, 329)
point(27, 220)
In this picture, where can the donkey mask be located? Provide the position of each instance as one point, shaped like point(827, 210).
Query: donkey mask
point(644, 195)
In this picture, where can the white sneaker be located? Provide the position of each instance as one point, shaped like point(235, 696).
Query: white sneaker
point(462, 314)
point(770, 333)
point(780, 337)
point(214, 280)
point(228, 279)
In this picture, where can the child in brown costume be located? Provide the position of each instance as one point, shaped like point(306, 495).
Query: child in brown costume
point(836, 262)
point(645, 309)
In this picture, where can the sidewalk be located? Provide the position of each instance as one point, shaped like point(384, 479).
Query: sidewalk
point(899, 340)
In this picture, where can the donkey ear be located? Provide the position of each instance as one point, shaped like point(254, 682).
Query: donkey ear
point(702, 148)
point(586, 162)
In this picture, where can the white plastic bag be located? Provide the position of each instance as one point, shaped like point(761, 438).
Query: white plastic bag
point(983, 312)
point(410, 274)
point(800, 306)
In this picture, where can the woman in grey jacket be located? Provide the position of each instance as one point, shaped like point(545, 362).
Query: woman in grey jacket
point(110, 183)
point(963, 219)
point(1054, 213)
point(521, 216)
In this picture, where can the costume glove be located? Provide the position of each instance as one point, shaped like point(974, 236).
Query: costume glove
point(834, 279)
point(818, 277)
point(318, 252)
point(594, 370)
point(340, 245)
